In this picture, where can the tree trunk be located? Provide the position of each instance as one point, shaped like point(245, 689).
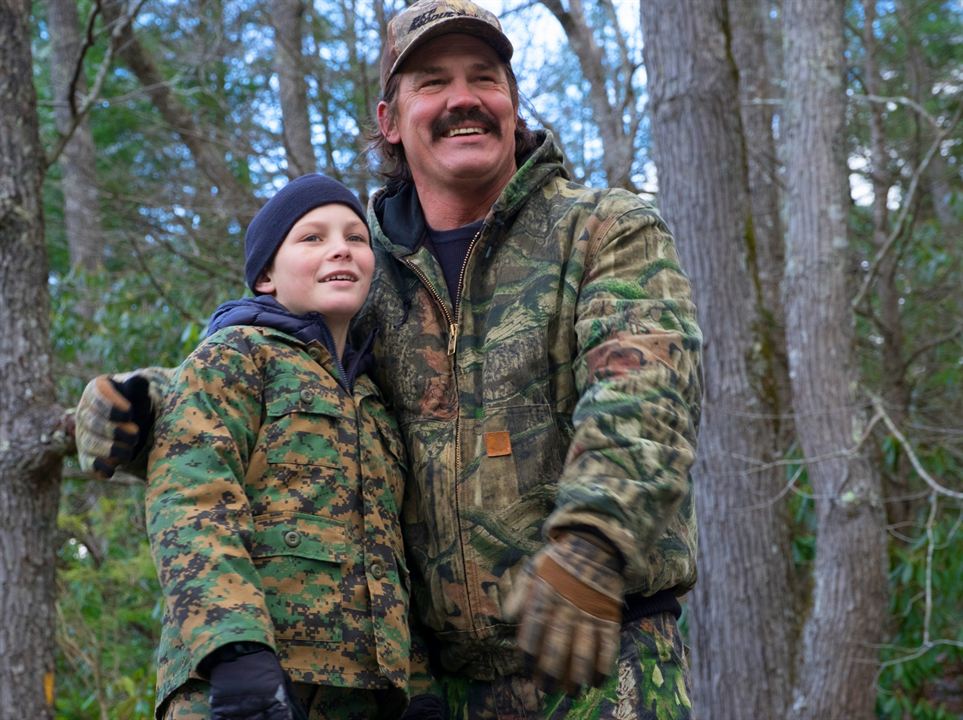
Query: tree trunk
point(839, 655)
point(617, 141)
point(748, 22)
point(742, 644)
point(85, 237)
point(29, 462)
point(287, 18)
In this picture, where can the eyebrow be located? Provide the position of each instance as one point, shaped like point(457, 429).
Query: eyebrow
point(436, 69)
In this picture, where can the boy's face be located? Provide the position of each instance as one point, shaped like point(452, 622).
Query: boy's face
point(324, 265)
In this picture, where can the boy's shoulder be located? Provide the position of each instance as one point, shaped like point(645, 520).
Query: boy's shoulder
point(267, 348)
point(251, 338)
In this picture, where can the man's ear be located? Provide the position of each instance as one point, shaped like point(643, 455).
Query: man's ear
point(387, 124)
point(264, 284)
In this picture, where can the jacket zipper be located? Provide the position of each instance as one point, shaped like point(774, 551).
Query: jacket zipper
point(452, 344)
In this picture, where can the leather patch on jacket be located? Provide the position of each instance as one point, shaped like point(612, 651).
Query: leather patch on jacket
point(498, 444)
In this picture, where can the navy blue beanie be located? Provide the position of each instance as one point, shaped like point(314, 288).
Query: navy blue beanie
point(273, 221)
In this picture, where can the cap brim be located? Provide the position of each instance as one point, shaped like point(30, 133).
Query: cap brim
point(469, 26)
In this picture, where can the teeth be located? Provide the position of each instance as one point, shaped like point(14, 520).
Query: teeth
point(338, 277)
point(465, 131)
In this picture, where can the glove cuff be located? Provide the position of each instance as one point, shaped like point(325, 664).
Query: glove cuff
point(588, 598)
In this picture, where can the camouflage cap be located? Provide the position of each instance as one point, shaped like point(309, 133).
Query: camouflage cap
point(427, 19)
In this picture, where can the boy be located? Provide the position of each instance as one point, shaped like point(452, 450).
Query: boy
point(274, 488)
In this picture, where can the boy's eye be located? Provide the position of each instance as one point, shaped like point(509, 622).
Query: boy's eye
point(312, 238)
point(357, 237)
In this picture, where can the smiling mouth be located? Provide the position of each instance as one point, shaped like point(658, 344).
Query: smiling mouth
point(339, 276)
point(473, 121)
point(465, 131)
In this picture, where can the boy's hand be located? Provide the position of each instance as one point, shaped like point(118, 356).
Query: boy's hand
point(569, 606)
point(425, 707)
point(248, 683)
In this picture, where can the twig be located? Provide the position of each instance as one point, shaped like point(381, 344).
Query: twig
point(907, 203)
point(930, 543)
point(78, 114)
point(901, 100)
point(917, 465)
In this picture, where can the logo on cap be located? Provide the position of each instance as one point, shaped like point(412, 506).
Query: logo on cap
point(432, 15)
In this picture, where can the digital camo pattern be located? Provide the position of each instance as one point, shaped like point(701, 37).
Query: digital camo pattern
point(272, 509)
point(650, 683)
point(572, 398)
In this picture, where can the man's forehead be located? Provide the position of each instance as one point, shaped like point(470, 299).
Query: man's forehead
point(441, 53)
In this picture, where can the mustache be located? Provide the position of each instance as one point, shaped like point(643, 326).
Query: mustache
point(441, 126)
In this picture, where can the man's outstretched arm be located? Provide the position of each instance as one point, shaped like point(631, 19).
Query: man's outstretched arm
point(115, 420)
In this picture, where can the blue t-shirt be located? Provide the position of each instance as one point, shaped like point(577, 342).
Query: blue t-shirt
point(450, 248)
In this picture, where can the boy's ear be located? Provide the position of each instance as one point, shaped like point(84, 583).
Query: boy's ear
point(264, 284)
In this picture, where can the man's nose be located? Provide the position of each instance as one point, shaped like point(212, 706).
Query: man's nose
point(461, 95)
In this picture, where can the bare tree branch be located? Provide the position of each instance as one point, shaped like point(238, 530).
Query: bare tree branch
point(897, 230)
point(917, 465)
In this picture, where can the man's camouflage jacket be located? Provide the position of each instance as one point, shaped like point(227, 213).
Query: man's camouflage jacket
point(561, 388)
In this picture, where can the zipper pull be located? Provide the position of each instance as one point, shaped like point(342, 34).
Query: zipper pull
point(452, 338)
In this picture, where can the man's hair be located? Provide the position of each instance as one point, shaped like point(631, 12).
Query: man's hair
point(393, 165)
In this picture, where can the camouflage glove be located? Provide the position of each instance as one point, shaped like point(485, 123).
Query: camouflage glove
point(569, 605)
point(114, 418)
point(248, 683)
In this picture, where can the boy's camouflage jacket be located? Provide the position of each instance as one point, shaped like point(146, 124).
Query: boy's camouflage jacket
point(562, 389)
point(272, 508)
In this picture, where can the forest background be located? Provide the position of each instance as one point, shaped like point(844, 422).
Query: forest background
point(807, 156)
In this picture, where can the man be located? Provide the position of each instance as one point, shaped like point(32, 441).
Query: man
point(537, 341)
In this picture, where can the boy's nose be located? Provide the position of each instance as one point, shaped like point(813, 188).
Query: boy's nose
point(340, 250)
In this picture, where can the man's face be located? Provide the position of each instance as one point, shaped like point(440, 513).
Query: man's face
point(454, 115)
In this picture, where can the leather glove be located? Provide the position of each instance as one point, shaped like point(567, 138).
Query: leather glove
point(425, 707)
point(248, 683)
point(114, 418)
point(568, 601)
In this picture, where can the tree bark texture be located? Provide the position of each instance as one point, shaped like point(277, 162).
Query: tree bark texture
point(839, 655)
point(29, 467)
point(747, 23)
point(85, 238)
point(740, 616)
point(287, 18)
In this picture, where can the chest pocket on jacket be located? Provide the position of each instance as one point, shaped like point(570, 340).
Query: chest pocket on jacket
point(303, 427)
point(299, 559)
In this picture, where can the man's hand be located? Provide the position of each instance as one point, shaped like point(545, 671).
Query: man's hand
point(114, 419)
point(569, 605)
point(248, 683)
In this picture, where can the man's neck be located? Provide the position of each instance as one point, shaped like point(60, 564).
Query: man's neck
point(447, 210)
point(447, 207)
